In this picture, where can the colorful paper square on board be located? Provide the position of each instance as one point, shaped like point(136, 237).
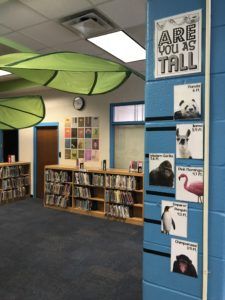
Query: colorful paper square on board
point(74, 122)
point(80, 153)
point(81, 122)
point(67, 153)
point(95, 144)
point(87, 155)
point(87, 121)
point(88, 133)
point(95, 133)
point(88, 144)
point(74, 132)
point(68, 122)
point(80, 133)
point(73, 143)
point(80, 143)
point(74, 154)
point(68, 143)
point(67, 133)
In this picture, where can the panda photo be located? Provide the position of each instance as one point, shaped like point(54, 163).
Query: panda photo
point(187, 110)
point(187, 101)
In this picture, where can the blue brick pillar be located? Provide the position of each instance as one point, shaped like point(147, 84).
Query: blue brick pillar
point(158, 282)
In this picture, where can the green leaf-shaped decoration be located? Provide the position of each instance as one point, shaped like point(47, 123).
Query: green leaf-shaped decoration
point(21, 112)
point(67, 71)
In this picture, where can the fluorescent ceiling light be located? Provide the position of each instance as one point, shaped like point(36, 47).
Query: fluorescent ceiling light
point(3, 73)
point(120, 45)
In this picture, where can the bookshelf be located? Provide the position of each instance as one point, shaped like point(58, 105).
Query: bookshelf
point(14, 181)
point(113, 194)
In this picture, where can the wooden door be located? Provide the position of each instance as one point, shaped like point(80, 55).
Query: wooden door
point(47, 154)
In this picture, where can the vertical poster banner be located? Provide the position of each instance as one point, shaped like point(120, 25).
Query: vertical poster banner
point(178, 44)
point(187, 101)
point(174, 218)
point(184, 258)
point(161, 169)
point(189, 184)
point(189, 141)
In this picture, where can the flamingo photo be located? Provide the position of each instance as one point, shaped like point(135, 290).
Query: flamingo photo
point(196, 188)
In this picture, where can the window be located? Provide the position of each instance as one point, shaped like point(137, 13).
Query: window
point(128, 113)
point(127, 134)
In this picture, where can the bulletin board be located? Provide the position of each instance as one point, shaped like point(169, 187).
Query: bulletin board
point(81, 136)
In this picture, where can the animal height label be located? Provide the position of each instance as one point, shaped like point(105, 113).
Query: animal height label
point(178, 44)
point(189, 184)
point(174, 218)
point(184, 257)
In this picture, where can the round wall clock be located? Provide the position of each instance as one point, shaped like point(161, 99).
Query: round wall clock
point(78, 103)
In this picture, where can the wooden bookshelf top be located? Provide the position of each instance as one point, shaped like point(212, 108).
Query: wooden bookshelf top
point(90, 170)
point(19, 163)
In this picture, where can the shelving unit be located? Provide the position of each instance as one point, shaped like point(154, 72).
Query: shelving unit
point(14, 181)
point(113, 194)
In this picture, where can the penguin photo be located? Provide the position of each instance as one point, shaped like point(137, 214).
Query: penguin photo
point(167, 220)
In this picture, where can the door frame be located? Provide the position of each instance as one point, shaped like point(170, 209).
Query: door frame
point(45, 124)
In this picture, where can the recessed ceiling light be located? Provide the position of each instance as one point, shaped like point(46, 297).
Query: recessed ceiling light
point(120, 45)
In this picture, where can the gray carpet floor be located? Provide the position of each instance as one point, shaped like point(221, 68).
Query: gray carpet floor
point(51, 255)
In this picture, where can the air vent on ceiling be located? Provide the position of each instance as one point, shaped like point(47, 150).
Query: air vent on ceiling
point(88, 24)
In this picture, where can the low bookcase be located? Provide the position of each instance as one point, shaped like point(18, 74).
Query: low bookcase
point(14, 181)
point(113, 194)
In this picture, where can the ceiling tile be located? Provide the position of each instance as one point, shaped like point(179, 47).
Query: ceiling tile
point(25, 41)
point(57, 9)
point(81, 46)
point(138, 34)
point(125, 13)
point(50, 33)
point(138, 65)
point(4, 30)
point(16, 15)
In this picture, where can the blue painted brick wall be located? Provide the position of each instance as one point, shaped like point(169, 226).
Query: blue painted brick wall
point(158, 281)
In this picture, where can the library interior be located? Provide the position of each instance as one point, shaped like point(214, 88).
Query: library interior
point(112, 163)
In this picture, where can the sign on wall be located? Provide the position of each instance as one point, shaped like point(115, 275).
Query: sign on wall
point(187, 101)
point(178, 44)
point(174, 218)
point(189, 184)
point(184, 257)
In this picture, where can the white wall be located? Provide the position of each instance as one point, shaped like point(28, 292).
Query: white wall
point(59, 105)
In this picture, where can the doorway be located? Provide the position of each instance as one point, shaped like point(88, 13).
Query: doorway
point(45, 153)
point(10, 144)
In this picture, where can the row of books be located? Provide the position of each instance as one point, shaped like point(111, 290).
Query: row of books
point(119, 197)
point(13, 171)
point(98, 179)
point(121, 182)
point(82, 178)
point(57, 188)
point(88, 179)
point(12, 183)
point(81, 192)
point(11, 194)
point(83, 204)
point(60, 201)
point(58, 176)
point(118, 211)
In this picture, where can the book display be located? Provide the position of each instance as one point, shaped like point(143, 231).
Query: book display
point(114, 194)
point(14, 181)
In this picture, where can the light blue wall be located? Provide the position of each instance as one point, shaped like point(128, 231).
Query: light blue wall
point(158, 281)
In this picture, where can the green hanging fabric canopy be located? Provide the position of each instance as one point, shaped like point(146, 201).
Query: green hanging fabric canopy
point(67, 71)
point(21, 112)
